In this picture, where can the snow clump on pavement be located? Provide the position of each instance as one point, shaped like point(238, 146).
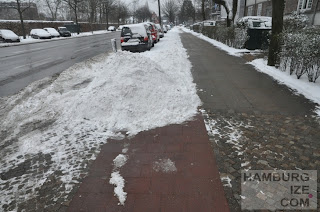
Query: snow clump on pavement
point(164, 165)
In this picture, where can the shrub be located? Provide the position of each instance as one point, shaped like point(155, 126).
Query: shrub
point(301, 54)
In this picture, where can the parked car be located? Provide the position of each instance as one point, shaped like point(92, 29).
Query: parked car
point(165, 30)
point(120, 27)
point(168, 27)
point(154, 32)
point(160, 31)
point(53, 32)
point(64, 32)
point(40, 34)
point(209, 23)
point(111, 28)
point(255, 22)
point(8, 36)
point(136, 37)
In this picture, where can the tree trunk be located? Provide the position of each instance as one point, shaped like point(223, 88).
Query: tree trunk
point(159, 12)
point(76, 14)
point(277, 25)
point(315, 12)
point(21, 20)
point(107, 17)
point(203, 10)
point(234, 9)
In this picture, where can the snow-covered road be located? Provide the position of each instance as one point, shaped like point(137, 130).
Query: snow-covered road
point(54, 127)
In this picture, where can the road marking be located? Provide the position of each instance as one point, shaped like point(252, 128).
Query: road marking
point(34, 63)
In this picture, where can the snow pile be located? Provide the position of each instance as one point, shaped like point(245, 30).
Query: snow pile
point(118, 181)
point(301, 86)
point(164, 165)
point(222, 46)
point(31, 40)
point(69, 119)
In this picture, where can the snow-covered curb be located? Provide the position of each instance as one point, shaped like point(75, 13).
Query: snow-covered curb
point(300, 86)
point(30, 40)
point(222, 46)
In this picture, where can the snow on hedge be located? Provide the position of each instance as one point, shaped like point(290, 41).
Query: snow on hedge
point(70, 118)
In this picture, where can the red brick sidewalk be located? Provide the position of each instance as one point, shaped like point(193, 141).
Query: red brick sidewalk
point(195, 186)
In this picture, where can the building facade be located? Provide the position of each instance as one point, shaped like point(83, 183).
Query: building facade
point(8, 11)
point(311, 8)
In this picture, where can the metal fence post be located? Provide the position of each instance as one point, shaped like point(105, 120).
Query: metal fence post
point(114, 44)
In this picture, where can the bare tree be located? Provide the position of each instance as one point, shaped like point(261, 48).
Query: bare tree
point(203, 10)
point(74, 6)
point(53, 7)
point(230, 14)
point(170, 9)
point(93, 4)
point(134, 9)
point(108, 5)
point(277, 26)
point(143, 13)
point(21, 10)
point(122, 12)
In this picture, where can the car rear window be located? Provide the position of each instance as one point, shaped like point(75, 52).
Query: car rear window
point(125, 31)
point(138, 29)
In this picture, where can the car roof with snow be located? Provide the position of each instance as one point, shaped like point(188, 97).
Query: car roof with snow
point(7, 33)
point(137, 29)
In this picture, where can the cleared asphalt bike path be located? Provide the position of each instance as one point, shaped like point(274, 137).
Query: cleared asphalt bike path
point(227, 83)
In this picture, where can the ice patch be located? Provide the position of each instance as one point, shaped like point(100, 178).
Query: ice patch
point(164, 165)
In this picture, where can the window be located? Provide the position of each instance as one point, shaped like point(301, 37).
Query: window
point(305, 4)
point(250, 10)
point(259, 9)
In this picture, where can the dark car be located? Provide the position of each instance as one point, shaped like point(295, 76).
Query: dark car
point(64, 32)
point(136, 37)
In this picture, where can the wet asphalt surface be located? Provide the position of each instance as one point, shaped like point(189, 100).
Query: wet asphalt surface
point(23, 64)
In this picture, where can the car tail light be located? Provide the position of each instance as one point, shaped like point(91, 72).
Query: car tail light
point(146, 39)
point(122, 39)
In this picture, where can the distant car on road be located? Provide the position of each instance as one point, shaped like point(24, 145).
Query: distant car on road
point(136, 37)
point(120, 27)
point(112, 28)
point(8, 36)
point(160, 31)
point(40, 34)
point(53, 32)
point(64, 32)
point(165, 30)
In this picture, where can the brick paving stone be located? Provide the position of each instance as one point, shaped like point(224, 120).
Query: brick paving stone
point(195, 185)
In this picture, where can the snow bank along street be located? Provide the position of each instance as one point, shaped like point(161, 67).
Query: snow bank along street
point(52, 129)
point(74, 35)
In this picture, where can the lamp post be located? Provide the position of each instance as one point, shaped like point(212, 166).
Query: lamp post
point(159, 12)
